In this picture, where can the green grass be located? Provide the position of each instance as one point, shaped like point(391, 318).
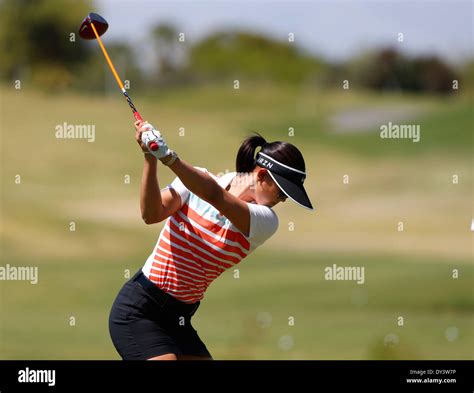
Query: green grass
point(445, 127)
point(407, 274)
point(329, 323)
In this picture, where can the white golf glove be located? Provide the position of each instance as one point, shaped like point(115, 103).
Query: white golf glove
point(150, 134)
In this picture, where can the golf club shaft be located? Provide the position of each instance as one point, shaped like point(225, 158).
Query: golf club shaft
point(124, 92)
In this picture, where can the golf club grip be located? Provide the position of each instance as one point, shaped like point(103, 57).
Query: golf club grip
point(137, 116)
point(153, 146)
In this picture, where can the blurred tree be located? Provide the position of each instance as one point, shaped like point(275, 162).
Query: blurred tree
point(94, 74)
point(165, 38)
point(171, 55)
point(468, 74)
point(387, 69)
point(434, 75)
point(243, 54)
point(36, 41)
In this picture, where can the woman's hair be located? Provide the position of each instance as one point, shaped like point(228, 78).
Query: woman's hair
point(284, 152)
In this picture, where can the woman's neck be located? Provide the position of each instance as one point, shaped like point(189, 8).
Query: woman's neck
point(241, 187)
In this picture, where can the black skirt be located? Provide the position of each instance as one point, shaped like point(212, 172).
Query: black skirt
point(146, 322)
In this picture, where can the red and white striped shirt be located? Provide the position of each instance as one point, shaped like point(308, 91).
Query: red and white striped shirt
point(197, 244)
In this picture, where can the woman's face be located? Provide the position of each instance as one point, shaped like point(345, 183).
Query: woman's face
point(266, 191)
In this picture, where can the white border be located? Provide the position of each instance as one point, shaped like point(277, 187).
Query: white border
point(286, 166)
point(281, 188)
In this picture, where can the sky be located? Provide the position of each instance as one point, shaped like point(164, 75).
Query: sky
point(333, 29)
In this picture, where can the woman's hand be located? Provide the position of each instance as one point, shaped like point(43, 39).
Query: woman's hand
point(139, 129)
point(146, 134)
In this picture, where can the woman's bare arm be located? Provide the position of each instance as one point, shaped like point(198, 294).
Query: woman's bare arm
point(195, 180)
point(150, 195)
point(156, 206)
point(205, 187)
point(198, 182)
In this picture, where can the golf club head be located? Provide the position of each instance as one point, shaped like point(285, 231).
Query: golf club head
point(100, 24)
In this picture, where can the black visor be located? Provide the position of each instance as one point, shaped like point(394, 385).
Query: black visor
point(288, 179)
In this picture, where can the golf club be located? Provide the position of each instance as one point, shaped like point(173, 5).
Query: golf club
point(92, 27)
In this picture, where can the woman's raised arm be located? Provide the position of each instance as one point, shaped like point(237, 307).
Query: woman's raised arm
point(205, 187)
point(196, 181)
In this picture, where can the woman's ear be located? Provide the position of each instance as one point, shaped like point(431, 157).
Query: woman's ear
point(261, 173)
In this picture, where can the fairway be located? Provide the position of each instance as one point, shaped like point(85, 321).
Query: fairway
point(95, 185)
point(248, 317)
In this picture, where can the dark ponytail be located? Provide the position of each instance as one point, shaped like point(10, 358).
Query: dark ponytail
point(245, 161)
point(284, 152)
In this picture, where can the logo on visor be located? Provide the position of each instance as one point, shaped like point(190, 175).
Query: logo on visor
point(264, 162)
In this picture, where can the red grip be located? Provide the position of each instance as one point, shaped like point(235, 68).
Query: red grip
point(137, 116)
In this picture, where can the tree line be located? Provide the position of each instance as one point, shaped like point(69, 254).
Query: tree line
point(40, 45)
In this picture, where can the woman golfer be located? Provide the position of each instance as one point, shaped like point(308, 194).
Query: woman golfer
point(212, 223)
